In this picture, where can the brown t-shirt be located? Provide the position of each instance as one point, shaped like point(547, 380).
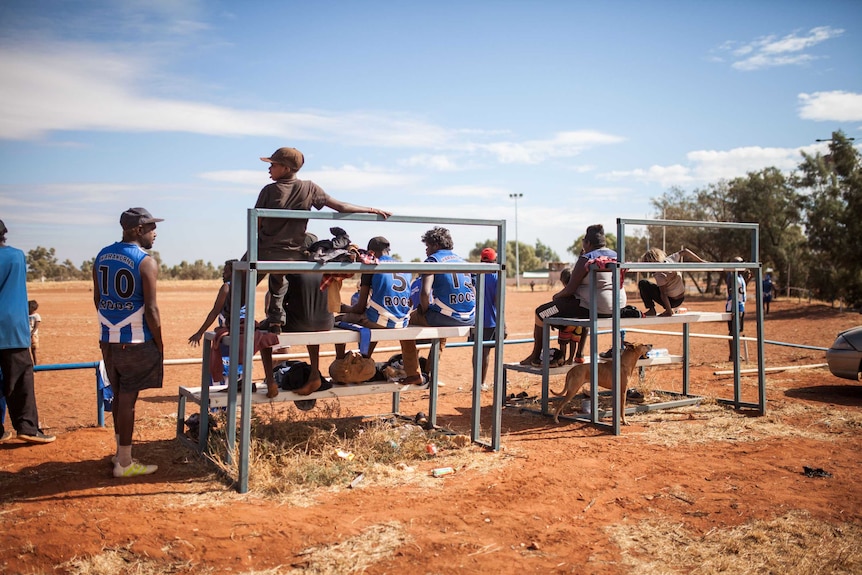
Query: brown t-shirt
point(280, 238)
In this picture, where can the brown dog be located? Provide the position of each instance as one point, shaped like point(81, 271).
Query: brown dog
point(578, 378)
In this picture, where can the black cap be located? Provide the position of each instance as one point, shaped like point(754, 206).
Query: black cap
point(134, 217)
point(3, 229)
point(378, 245)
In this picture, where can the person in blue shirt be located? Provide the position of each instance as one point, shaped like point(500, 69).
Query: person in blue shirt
point(16, 363)
point(384, 298)
point(446, 299)
point(489, 328)
point(768, 288)
point(124, 293)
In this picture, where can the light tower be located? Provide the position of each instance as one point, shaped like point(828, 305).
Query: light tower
point(517, 254)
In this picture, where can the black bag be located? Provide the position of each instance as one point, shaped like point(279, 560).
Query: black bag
point(630, 311)
point(292, 374)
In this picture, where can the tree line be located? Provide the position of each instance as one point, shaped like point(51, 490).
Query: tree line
point(810, 224)
point(42, 265)
point(810, 229)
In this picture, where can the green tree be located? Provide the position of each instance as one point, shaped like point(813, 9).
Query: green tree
point(42, 263)
point(545, 253)
point(526, 256)
point(770, 199)
point(833, 224)
point(575, 248)
point(87, 268)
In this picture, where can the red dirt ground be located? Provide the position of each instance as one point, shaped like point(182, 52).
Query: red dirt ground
point(544, 506)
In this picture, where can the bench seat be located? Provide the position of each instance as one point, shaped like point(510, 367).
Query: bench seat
point(216, 396)
point(347, 336)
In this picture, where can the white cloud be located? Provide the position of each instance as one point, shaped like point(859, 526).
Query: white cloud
point(436, 162)
point(68, 86)
point(772, 51)
point(56, 87)
point(835, 106)
point(706, 166)
point(344, 178)
point(562, 145)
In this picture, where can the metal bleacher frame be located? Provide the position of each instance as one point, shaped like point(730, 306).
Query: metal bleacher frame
point(616, 323)
point(247, 271)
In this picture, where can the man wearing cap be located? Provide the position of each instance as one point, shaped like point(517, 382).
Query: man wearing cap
point(16, 363)
point(124, 292)
point(281, 239)
point(384, 299)
point(489, 330)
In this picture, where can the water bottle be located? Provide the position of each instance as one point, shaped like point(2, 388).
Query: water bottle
point(657, 352)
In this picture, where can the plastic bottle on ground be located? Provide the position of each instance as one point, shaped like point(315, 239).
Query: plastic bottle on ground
point(658, 352)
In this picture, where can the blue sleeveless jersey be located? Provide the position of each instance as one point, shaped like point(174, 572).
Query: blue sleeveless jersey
point(452, 292)
point(389, 300)
point(490, 308)
point(121, 294)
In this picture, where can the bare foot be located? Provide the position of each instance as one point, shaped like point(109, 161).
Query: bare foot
point(271, 389)
point(528, 361)
point(412, 380)
point(650, 313)
point(312, 385)
point(667, 313)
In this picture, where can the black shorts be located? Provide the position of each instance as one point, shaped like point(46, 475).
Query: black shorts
point(569, 307)
point(488, 334)
point(133, 366)
point(741, 324)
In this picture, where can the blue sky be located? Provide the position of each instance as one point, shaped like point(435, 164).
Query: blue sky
point(588, 109)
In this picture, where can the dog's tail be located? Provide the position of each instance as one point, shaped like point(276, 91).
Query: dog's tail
point(558, 393)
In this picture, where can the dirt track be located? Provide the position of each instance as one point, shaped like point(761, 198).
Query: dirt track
point(555, 500)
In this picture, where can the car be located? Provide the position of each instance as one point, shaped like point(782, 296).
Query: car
point(845, 355)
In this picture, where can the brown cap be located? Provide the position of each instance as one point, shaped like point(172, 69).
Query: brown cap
point(290, 157)
point(134, 217)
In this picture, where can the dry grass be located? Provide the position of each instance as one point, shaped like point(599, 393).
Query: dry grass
point(295, 453)
point(710, 422)
point(353, 555)
point(793, 544)
point(124, 561)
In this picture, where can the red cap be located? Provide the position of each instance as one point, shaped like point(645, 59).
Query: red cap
point(489, 255)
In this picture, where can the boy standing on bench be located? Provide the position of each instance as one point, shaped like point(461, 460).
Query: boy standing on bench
point(281, 239)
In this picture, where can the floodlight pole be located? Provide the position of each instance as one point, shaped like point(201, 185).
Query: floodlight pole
point(517, 254)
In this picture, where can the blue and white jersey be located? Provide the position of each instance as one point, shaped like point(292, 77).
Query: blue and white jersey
point(452, 292)
point(415, 289)
point(121, 294)
point(389, 300)
point(740, 293)
point(224, 315)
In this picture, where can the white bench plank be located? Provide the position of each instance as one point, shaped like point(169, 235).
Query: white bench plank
point(218, 393)
point(676, 319)
point(349, 336)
